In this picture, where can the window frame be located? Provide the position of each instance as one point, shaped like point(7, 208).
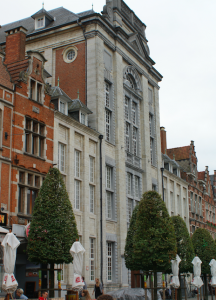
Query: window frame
point(61, 166)
point(109, 261)
point(92, 259)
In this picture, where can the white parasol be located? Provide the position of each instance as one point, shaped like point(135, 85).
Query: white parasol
point(213, 272)
point(10, 244)
point(175, 270)
point(77, 252)
point(197, 281)
point(3, 230)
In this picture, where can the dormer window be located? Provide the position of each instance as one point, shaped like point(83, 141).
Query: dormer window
point(40, 22)
point(62, 107)
point(83, 119)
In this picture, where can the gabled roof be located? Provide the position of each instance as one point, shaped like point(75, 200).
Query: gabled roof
point(43, 12)
point(60, 16)
point(180, 152)
point(77, 105)
point(57, 92)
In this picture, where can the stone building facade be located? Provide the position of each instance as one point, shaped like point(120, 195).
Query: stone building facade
point(175, 188)
point(26, 135)
point(201, 193)
point(106, 57)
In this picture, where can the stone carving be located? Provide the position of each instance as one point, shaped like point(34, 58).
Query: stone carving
point(132, 79)
point(48, 89)
point(23, 76)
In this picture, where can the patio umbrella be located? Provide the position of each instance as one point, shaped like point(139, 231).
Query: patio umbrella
point(213, 272)
point(3, 230)
point(10, 244)
point(77, 251)
point(197, 281)
point(175, 270)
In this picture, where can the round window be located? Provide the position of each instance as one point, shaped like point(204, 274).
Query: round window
point(71, 54)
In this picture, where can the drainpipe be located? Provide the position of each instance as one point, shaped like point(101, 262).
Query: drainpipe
point(101, 208)
point(83, 29)
point(162, 169)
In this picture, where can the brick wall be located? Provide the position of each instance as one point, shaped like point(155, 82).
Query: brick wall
point(71, 75)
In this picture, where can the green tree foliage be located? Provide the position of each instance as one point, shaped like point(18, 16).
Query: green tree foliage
point(154, 239)
point(204, 248)
point(130, 258)
point(184, 244)
point(53, 227)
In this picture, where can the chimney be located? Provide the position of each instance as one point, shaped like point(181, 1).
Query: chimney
point(15, 45)
point(163, 139)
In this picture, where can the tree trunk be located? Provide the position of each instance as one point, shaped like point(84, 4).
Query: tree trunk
point(155, 285)
point(205, 296)
point(51, 293)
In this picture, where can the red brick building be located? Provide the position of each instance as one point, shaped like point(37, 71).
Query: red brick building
point(26, 127)
point(201, 193)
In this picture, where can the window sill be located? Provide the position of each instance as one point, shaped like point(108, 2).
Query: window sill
point(35, 156)
point(24, 216)
point(111, 143)
point(35, 101)
point(111, 220)
point(109, 190)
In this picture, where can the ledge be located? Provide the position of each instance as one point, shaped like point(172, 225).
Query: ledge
point(35, 156)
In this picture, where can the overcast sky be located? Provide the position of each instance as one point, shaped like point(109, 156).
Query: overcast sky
point(182, 41)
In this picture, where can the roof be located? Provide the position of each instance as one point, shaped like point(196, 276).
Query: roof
point(43, 12)
point(201, 175)
point(15, 68)
point(60, 16)
point(166, 158)
point(180, 152)
point(57, 92)
point(77, 105)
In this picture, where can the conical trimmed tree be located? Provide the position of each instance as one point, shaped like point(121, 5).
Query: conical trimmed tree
point(184, 245)
point(130, 258)
point(205, 249)
point(154, 238)
point(53, 227)
point(184, 248)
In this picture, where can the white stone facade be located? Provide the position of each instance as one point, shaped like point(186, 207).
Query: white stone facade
point(124, 64)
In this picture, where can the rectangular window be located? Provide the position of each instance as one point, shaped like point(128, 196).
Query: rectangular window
point(77, 164)
point(127, 137)
point(62, 107)
point(39, 92)
point(22, 177)
point(107, 97)
point(179, 204)
point(108, 116)
point(133, 113)
point(126, 108)
point(30, 179)
point(91, 198)
point(130, 209)
point(91, 169)
point(192, 203)
point(77, 194)
point(172, 202)
point(61, 157)
point(200, 206)
point(83, 118)
point(151, 150)
point(92, 260)
point(31, 196)
point(137, 187)
point(129, 183)
point(134, 141)
point(150, 96)
point(34, 137)
point(109, 261)
point(32, 89)
point(21, 200)
point(108, 177)
point(193, 229)
point(184, 207)
point(109, 204)
point(196, 204)
point(40, 23)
